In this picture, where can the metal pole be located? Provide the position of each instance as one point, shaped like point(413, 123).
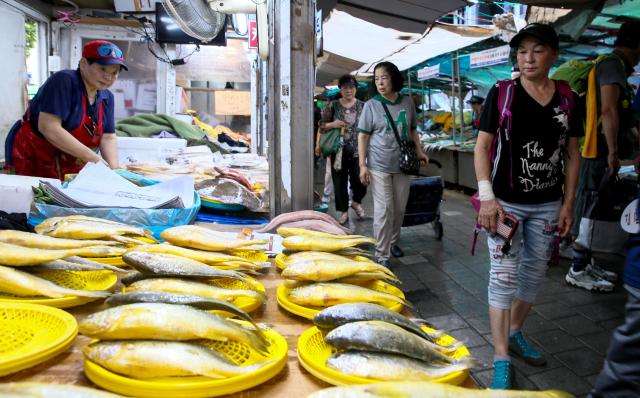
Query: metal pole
point(453, 97)
point(460, 103)
point(424, 109)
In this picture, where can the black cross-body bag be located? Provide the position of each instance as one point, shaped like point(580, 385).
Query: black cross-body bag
point(409, 163)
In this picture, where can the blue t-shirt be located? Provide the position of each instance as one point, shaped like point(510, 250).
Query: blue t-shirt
point(61, 95)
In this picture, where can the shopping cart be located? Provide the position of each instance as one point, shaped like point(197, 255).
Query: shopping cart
point(423, 206)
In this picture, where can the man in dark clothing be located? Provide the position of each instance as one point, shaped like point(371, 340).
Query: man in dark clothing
point(616, 117)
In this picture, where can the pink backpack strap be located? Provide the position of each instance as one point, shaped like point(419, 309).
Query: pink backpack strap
point(566, 96)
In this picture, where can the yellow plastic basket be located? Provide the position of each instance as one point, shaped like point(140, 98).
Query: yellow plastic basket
point(246, 304)
point(310, 312)
point(313, 353)
point(80, 280)
point(195, 387)
point(31, 334)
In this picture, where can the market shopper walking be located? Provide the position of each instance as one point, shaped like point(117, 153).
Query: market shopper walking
point(380, 156)
point(343, 115)
point(528, 136)
point(612, 119)
point(70, 119)
point(620, 375)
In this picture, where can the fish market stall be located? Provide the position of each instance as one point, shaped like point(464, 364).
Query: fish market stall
point(68, 365)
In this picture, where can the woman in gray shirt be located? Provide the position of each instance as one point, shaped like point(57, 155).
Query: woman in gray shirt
point(379, 155)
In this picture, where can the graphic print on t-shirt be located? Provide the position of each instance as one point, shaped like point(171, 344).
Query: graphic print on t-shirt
point(401, 125)
point(540, 170)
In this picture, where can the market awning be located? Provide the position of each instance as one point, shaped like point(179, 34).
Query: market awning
point(404, 15)
point(441, 39)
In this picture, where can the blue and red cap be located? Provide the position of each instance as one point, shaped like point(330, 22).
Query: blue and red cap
point(104, 52)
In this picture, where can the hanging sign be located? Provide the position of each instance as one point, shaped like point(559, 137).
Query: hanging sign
point(429, 72)
point(253, 33)
point(493, 56)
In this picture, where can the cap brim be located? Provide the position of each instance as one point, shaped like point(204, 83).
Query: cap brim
point(111, 61)
point(515, 41)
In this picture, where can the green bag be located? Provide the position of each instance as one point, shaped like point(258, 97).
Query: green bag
point(330, 142)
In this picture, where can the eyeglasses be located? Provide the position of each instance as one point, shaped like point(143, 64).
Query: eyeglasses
point(109, 50)
point(90, 128)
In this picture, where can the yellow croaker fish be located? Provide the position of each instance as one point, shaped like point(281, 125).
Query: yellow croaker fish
point(389, 367)
point(46, 390)
point(160, 321)
point(17, 256)
point(164, 359)
point(421, 389)
point(180, 286)
point(196, 237)
point(37, 241)
point(80, 227)
point(206, 257)
point(328, 294)
point(328, 270)
point(315, 255)
point(305, 242)
point(23, 284)
point(287, 232)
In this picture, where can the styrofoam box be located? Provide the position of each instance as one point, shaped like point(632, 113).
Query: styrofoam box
point(135, 149)
point(16, 194)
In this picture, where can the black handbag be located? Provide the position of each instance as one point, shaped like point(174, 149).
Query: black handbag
point(409, 163)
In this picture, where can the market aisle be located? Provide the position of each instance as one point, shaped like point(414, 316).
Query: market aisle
point(449, 289)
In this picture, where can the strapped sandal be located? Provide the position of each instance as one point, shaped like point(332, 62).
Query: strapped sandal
point(358, 209)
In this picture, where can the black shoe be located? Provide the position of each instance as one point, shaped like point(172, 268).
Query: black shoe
point(396, 251)
point(385, 263)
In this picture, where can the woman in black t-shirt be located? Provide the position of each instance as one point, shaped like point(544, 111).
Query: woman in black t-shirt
point(526, 157)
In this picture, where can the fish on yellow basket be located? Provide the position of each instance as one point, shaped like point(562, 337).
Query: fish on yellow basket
point(328, 294)
point(48, 390)
point(328, 270)
point(181, 286)
point(17, 256)
point(160, 321)
point(307, 242)
point(421, 389)
point(24, 284)
point(164, 359)
point(37, 241)
point(196, 237)
point(285, 232)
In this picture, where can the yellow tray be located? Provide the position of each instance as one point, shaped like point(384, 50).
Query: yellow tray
point(80, 280)
point(313, 353)
point(31, 334)
point(195, 387)
point(310, 312)
point(244, 303)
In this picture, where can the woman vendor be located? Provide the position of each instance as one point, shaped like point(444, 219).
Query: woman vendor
point(70, 121)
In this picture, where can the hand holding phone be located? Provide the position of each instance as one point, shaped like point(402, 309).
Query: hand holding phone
point(507, 226)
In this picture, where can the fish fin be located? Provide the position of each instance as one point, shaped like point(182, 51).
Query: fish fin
point(422, 322)
point(468, 361)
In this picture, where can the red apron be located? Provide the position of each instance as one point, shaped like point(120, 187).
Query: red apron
point(34, 156)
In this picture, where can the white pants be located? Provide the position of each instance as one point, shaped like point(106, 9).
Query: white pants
point(328, 182)
point(390, 194)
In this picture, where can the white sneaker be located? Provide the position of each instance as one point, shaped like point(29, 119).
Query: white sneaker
point(600, 272)
point(588, 281)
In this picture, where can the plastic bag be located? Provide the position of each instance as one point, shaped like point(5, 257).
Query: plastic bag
point(155, 220)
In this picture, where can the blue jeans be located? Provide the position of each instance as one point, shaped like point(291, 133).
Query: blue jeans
point(519, 273)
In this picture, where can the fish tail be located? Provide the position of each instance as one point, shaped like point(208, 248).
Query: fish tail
point(467, 361)
point(451, 347)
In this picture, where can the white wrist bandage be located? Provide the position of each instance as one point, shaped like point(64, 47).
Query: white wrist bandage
point(485, 191)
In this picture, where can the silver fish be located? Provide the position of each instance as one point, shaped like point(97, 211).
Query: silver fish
point(341, 314)
point(161, 264)
point(385, 337)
